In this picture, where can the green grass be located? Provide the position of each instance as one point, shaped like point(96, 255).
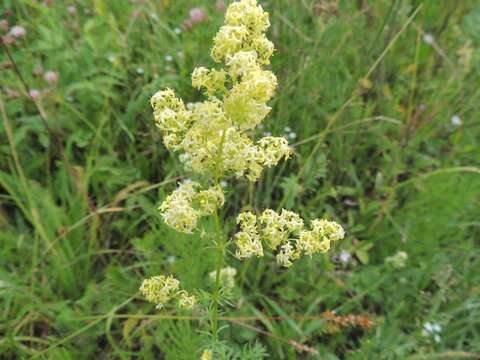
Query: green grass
point(83, 169)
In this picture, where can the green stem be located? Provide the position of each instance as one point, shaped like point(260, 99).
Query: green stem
point(216, 293)
point(219, 244)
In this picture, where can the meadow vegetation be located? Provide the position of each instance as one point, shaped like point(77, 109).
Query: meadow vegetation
point(379, 101)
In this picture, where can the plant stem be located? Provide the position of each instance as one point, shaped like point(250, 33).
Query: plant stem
point(216, 293)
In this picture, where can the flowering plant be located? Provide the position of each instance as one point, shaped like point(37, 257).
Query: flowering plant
point(215, 140)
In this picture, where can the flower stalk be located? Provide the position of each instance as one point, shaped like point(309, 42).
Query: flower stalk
point(216, 141)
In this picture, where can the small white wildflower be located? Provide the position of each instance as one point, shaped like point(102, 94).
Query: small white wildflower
point(456, 120)
point(223, 184)
point(171, 259)
point(168, 58)
point(292, 135)
point(140, 71)
point(432, 330)
point(345, 257)
point(427, 328)
point(287, 129)
point(428, 38)
point(177, 31)
point(111, 58)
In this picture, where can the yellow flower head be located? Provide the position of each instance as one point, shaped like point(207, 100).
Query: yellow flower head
point(285, 234)
point(161, 289)
point(185, 205)
point(212, 136)
point(207, 355)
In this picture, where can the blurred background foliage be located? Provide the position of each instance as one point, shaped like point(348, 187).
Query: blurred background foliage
point(380, 100)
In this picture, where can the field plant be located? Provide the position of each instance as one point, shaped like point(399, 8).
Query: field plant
point(207, 230)
point(214, 138)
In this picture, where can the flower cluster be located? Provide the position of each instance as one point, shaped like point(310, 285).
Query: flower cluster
point(207, 355)
point(398, 260)
point(227, 277)
point(161, 289)
point(284, 233)
point(213, 136)
point(184, 206)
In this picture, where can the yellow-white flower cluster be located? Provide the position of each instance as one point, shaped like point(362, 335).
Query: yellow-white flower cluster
point(285, 234)
point(207, 355)
point(227, 277)
point(213, 136)
point(161, 289)
point(185, 205)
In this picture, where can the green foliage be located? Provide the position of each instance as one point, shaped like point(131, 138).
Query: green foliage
point(84, 170)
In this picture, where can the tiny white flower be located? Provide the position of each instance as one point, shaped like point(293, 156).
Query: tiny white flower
point(456, 120)
point(171, 259)
point(345, 257)
point(428, 327)
point(287, 129)
point(177, 31)
point(292, 135)
point(437, 338)
point(436, 328)
point(223, 183)
point(429, 39)
point(140, 71)
point(168, 57)
point(261, 126)
point(267, 133)
point(111, 58)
